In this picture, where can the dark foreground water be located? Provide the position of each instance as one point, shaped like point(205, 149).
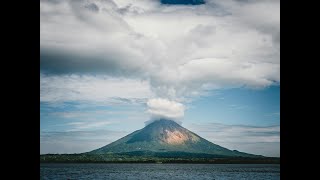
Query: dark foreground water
point(160, 171)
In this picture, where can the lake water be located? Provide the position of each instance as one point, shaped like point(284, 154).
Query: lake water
point(160, 171)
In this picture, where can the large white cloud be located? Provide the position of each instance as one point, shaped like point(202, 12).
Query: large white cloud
point(164, 108)
point(180, 51)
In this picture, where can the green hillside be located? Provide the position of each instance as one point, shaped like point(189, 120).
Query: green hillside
point(166, 136)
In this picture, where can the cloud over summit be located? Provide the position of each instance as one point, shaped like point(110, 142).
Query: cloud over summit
point(163, 108)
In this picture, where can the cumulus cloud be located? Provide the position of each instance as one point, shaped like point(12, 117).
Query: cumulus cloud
point(180, 51)
point(164, 108)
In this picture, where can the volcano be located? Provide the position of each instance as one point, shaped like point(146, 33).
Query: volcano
point(166, 137)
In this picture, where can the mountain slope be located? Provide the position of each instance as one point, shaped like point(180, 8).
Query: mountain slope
point(166, 136)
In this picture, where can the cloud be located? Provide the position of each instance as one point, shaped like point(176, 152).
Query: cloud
point(84, 119)
point(105, 89)
point(86, 114)
point(180, 51)
point(263, 140)
point(164, 108)
point(80, 125)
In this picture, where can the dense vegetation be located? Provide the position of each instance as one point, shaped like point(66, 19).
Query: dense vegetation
point(151, 158)
point(154, 138)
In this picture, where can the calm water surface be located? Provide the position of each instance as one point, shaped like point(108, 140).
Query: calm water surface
point(160, 171)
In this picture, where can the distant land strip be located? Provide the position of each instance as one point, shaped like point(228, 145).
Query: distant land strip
point(112, 158)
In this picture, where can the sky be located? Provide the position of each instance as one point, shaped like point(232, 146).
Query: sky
point(109, 67)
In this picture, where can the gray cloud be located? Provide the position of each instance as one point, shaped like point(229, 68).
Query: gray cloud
point(181, 51)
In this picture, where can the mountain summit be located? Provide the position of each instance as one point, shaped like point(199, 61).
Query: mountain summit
point(166, 136)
